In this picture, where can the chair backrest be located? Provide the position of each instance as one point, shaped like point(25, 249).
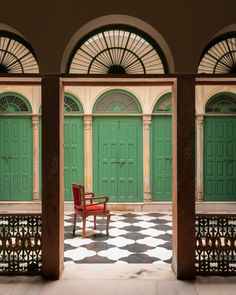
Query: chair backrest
point(76, 189)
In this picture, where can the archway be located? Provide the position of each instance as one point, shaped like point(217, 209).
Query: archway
point(220, 148)
point(162, 149)
point(117, 147)
point(16, 148)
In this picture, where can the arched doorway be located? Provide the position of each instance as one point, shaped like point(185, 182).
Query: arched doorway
point(161, 159)
point(220, 148)
point(73, 143)
point(117, 147)
point(15, 148)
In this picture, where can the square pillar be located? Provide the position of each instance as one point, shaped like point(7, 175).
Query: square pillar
point(183, 180)
point(52, 176)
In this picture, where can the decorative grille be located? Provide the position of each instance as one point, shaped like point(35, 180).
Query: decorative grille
point(16, 55)
point(20, 244)
point(117, 50)
point(11, 103)
point(215, 244)
point(222, 103)
point(117, 102)
point(164, 104)
point(219, 57)
point(71, 104)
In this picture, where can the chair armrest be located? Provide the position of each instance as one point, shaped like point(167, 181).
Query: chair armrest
point(97, 198)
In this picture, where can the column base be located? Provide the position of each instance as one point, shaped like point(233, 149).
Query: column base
point(147, 197)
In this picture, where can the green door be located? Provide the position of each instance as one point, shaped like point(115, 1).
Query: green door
point(74, 153)
point(161, 158)
point(15, 158)
point(220, 158)
point(117, 151)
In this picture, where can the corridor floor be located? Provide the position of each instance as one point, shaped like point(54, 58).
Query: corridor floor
point(138, 237)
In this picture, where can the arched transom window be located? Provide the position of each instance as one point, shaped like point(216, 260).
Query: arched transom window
point(222, 103)
point(117, 102)
point(71, 104)
point(219, 57)
point(13, 103)
point(16, 55)
point(164, 104)
point(117, 50)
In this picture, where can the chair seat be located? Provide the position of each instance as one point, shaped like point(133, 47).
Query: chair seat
point(90, 208)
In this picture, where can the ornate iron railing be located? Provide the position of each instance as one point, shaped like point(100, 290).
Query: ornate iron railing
point(20, 243)
point(215, 244)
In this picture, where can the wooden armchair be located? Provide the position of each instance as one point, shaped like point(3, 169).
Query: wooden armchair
point(86, 204)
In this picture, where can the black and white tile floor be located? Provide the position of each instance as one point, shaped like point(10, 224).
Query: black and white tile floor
point(138, 237)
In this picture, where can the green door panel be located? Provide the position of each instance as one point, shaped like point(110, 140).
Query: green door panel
point(73, 153)
point(117, 151)
point(161, 158)
point(16, 158)
point(219, 158)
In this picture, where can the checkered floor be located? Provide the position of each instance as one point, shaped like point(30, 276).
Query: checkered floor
point(133, 238)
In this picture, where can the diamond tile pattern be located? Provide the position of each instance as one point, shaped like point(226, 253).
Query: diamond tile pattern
point(138, 237)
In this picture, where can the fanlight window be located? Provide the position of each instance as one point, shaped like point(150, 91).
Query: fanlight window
point(224, 103)
point(117, 102)
point(219, 57)
point(117, 50)
point(71, 104)
point(16, 55)
point(164, 104)
point(13, 103)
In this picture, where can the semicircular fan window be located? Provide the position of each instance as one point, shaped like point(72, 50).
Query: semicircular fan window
point(117, 103)
point(116, 50)
point(11, 103)
point(224, 103)
point(164, 104)
point(16, 55)
point(219, 57)
point(71, 104)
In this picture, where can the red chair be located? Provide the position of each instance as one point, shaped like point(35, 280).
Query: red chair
point(86, 204)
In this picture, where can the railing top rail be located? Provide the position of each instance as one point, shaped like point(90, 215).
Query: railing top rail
point(22, 213)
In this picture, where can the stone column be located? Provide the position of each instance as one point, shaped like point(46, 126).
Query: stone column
point(146, 158)
point(88, 153)
point(35, 122)
point(199, 192)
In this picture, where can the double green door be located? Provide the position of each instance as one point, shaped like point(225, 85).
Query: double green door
point(161, 158)
point(220, 158)
point(117, 158)
point(15, 158)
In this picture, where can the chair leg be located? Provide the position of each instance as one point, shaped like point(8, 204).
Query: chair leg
point(84, 227)
point(74, 224)
point(107, 226)
point(94, 222)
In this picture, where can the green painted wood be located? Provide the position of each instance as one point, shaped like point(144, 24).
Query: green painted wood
point(73, 153)
point(117, 153)
point(16, 158)
point(220, 158)
point(161, 158)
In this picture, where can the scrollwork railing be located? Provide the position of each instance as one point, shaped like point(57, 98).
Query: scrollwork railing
point(20, 243)
point(215, 249)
